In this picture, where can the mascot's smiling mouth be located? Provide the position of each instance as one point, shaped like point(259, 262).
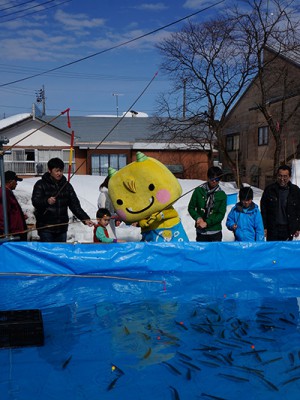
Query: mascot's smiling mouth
point(151, 201)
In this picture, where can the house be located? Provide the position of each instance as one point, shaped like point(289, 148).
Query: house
point(99, 142)
point(247, 135)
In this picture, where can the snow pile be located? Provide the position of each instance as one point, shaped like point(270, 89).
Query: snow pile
point(87, 189)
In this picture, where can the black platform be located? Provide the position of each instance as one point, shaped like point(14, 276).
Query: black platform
point(21, 328)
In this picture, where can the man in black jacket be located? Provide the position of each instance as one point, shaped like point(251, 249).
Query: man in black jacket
point(280, 207)
point(51, 197)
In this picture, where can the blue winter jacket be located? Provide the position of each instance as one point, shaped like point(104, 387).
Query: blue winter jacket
point(249, 223)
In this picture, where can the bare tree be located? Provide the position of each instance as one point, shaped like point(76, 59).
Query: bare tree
point(211, 64)
point(275, 37)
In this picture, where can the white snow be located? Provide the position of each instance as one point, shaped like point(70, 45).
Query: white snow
point(87, 189)
point(13, 120)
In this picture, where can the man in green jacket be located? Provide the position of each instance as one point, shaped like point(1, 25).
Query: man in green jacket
point(208, 207)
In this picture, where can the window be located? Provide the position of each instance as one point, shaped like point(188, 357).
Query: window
point(233, 142)
point(28, 161)
point(263, 135)
point(101, 162)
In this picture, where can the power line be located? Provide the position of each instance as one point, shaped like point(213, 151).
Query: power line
point(34, 12)
point(28, 8)
point(113, 47)
point(16, 5)
point(71, 75)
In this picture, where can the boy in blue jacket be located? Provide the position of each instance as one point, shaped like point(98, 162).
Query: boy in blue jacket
point(245, 219)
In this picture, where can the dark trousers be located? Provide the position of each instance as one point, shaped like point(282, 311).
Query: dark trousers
point(281, 233)
point(215, 237)
point(48, 236)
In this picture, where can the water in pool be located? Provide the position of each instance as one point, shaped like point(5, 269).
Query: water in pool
point(209, 336)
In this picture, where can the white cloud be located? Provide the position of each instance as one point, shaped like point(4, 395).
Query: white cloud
point(77, 21)
point(193, 4)
point(152, 6)
point(200, 4)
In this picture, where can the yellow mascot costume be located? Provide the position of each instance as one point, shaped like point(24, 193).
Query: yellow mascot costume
point(144, 191)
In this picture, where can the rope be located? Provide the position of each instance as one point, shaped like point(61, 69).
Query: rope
point(84, 276)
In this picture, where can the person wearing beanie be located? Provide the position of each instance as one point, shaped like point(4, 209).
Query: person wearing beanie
point(16, 218)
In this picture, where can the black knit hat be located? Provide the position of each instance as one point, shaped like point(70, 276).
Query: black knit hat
point(12, 176)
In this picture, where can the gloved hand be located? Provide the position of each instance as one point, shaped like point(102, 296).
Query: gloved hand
point(145, 223)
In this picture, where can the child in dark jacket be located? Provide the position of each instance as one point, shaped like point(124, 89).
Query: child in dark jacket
point(100, 231)
point(245, 219)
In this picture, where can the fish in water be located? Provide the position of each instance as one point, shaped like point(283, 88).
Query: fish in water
point(65, 364)
point(234, 377)
point(117, 369)
point(147, 354)
point(113, 383)
point(181, 324)
point(175, 393)
point(172, 368)
point(295, 378)
point(182, 355)
point(210, 396)
point(190, 365)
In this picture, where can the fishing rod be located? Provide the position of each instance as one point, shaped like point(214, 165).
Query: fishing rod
point(99, 144)
point(191, 190)
point(41, 228)
point(119, 121)
point(106, 136)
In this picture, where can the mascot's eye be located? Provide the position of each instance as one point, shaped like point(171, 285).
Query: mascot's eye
point(119, 202)
point(151, 187)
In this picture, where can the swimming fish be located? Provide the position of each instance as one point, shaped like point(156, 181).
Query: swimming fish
point(191, 365)
point(181, 324)
point(175, 393)
point(210, 396)
point(147, 354)
point(65, 364)
point(113, 383)
point(172, 368)
point(295, 378)
point(184, 355)
point(234, 377)
point(117, 369)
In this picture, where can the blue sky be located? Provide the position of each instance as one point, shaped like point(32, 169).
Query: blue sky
point(37, 39)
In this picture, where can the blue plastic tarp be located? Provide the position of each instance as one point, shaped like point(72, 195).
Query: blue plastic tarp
point(145, 320)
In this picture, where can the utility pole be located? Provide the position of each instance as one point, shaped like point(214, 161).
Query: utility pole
point(184, 98)
point(41, 98)
point(116, 95)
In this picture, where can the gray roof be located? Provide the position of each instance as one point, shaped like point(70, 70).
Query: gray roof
point(95, 129)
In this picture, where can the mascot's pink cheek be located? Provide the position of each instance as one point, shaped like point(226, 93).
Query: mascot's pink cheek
point(163, 196)
point(121, 214)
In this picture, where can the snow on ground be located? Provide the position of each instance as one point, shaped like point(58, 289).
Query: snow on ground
point(87, 189)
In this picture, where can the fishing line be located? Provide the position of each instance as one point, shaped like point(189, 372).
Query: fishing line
point(99, 144)
point(111, 130)
point(191, 190)
point(119, 121)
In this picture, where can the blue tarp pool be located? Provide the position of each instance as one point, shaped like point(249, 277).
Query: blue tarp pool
point(154, 321)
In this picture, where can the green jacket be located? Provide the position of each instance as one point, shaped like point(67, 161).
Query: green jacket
point(196, 208)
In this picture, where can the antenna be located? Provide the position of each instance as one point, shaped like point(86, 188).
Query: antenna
point(117, 101)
